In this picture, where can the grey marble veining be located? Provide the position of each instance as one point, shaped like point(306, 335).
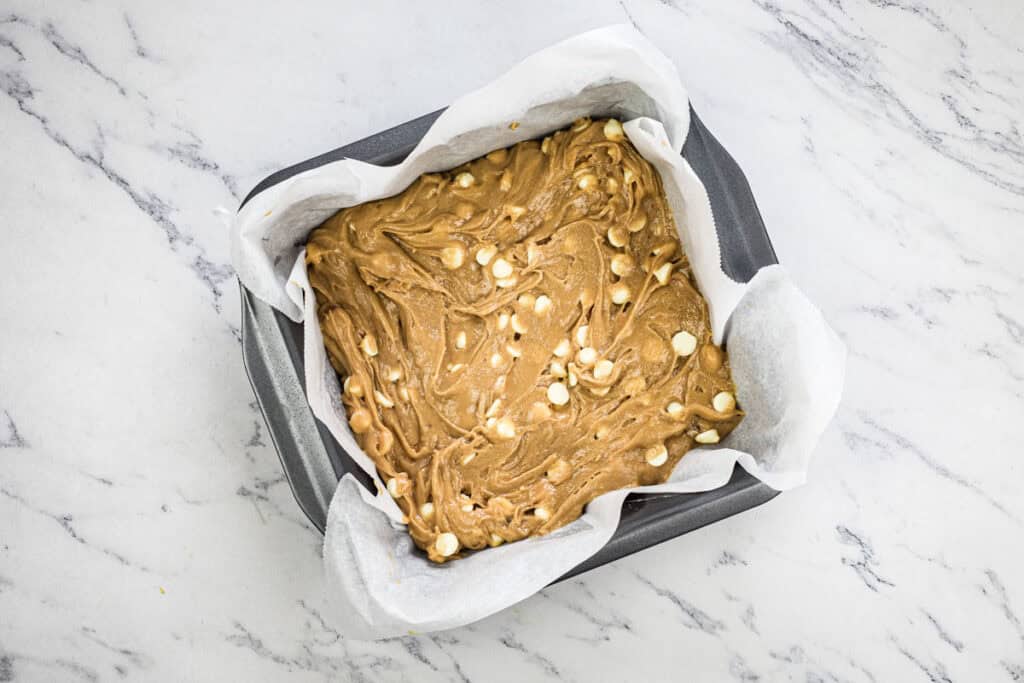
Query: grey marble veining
point(146, 529)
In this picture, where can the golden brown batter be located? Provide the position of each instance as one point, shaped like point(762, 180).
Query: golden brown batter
point(519, 336)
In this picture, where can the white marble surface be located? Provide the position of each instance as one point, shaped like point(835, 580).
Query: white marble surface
point(146, 531)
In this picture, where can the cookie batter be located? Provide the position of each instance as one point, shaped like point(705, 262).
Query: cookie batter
point(518, 336)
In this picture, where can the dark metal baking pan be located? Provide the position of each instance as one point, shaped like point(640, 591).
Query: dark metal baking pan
point(313, 461)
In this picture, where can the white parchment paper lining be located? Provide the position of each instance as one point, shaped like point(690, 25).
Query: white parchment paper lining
point(786, 361)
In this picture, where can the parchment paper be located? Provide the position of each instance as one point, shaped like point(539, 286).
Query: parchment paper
point(787, 362)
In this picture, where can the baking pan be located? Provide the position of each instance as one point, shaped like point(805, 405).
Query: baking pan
point(312, 460)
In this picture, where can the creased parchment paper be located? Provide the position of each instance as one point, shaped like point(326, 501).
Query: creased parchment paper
point(787, 362)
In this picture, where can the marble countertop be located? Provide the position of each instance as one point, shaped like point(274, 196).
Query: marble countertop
point(146, 529)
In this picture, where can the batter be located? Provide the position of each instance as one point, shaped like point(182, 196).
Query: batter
point(518, 336)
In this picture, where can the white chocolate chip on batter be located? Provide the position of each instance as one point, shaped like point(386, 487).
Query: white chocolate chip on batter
point(723, 402)
point(622, 264)
point(603, 369)
point(586, 356)
point(684, 343)
point(617, 236)
point(485, 254)
point(613, 131)
point(369, 345)
point(505, 428)
point(656, 456)
point(620, 293)
point(447, 544)
point(710, 436)
point(453, 256)
point(558, 394)
point(501, 269)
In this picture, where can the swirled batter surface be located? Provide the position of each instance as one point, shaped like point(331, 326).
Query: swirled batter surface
point(518, 336)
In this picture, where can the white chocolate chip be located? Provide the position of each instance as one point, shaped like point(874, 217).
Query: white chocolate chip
point(518, 325)
point(501, 269)
point(586, 356)
point(723, 402)
point(675, 409)
point(496, 360)
point(617, 236)
point(581, 334)
point(558, 394)
point(587, 182)
point(557, 369)
point(563, 348)
point(453, 256)
point(468, 457)
point(573, 379)
point(542, 305)
point(526, 300)
point(664, 249)
point(656, 456)
point(383, 400)
point(580, 124)
point(638, 223)
point(710, 436)
point(611, 185)
point(505, 184)
point(467, 507)
point(485, 253)
point(369, 345)
point(600, 391)
point(613, 130)
point(503, 319)
point(559, 471)
point(515, 212)
point(460, 340)
point(403, 393)
point(360, 420)
point(603, 369)
point(455, 367)
point(507, 282)
point(491, 421)
point(684, 343)
point(427, 510)
point(465, 180)
point(495, 407)
point(505, 428)
point(622, 264)
point(447, 544)
point(538, 412)
point(394, 374)
point(545, 144)
point(620, 293)
point(496, 540)
point(514, 350)
point(628, 175)
point(663, 273)
point(353, 387)
point(393, 488)
point(601, 431)
point(542, 514)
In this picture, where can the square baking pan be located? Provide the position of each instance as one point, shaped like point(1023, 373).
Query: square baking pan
point(312, 459)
